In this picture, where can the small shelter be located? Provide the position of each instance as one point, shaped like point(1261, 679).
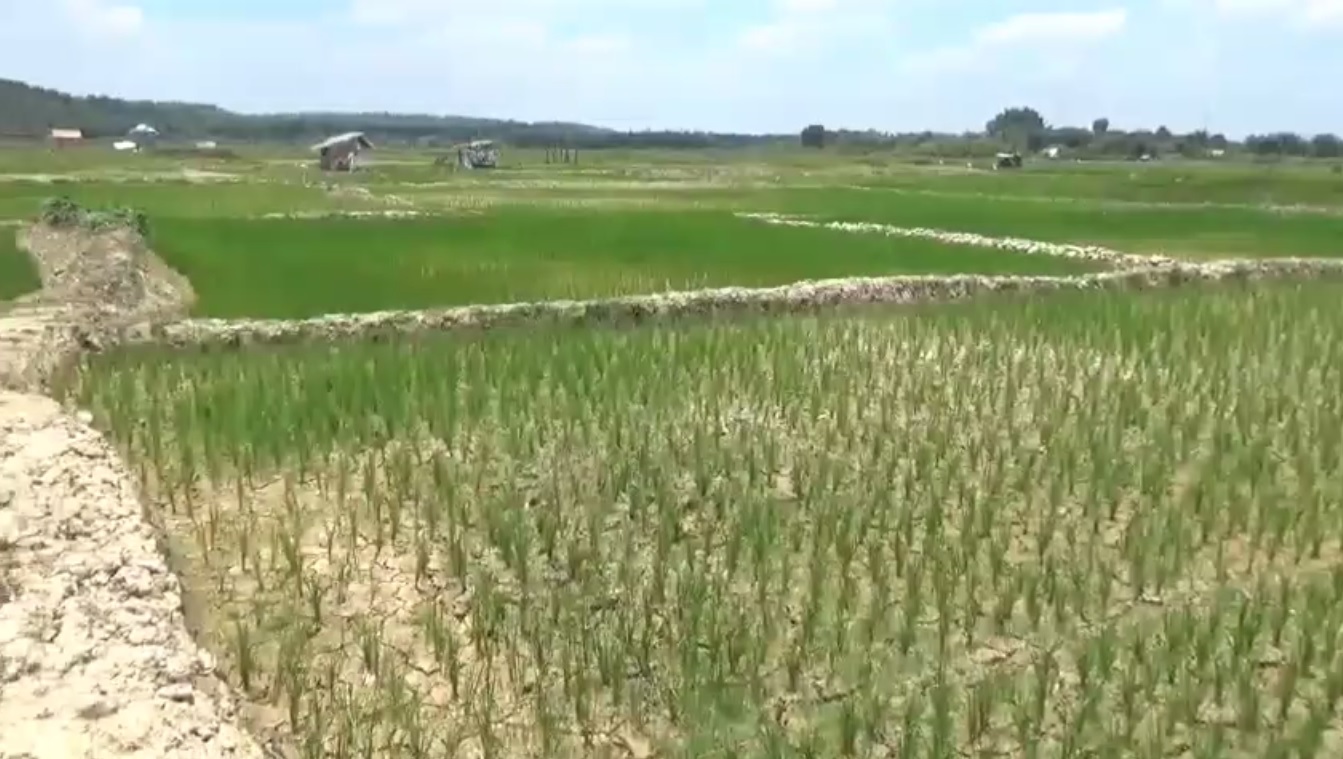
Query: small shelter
point(1007, 161)
point(63, 138)
point(339, 153)
point(143, 135)
point(478, 154)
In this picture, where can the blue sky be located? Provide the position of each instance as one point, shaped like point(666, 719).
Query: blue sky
point(1236, 66)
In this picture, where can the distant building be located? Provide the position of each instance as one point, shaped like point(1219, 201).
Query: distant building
point(207, 145)
point(63, 138)
point(478, 154)
point(125, 146)
point(339, 153)
point(1052, 152)
point(1007, 161)
point(143, 135)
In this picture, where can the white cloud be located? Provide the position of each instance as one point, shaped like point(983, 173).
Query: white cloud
point(415, 12)
point(789, 7)
point(784, 36)
point(1301, 15)
point(600, 44)
point(99, 19)
point(801, 26)
point(1059, 37)
point(1054, 28)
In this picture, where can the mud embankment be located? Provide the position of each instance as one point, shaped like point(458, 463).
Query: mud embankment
point(800, 298)
point(95, 657)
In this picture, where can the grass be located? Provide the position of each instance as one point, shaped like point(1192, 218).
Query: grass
point(300, 268)
point(176, 198)
point(1214, 232)
point(1312, 183)
point(18, 274)
point(1102, 525)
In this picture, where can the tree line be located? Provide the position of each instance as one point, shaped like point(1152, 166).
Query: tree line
point(1024, 129)
point(29, 112)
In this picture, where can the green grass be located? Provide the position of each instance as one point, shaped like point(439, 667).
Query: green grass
point(18, 275)
point(1094, 526)
point(299, 268)
point(1313, 183)
point(175, 198)
point(1194, 232)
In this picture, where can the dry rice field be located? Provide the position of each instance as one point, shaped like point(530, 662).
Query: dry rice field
point(1081, 525)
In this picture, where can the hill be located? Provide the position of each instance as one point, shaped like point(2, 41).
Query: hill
point(28, 111)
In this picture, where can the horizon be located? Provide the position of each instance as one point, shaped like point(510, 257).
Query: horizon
point(763, 67)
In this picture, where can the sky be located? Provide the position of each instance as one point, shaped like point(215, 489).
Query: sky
point(1231, 66)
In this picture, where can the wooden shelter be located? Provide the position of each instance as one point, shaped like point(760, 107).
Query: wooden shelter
point(64, 138)
point(339, 153)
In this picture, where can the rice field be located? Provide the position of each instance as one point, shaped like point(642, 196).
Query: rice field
point(290, 268)
point(18, 274)
point(1103, 525)
point(1213, 231)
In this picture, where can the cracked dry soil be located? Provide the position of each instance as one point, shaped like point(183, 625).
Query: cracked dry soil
point(95, 657)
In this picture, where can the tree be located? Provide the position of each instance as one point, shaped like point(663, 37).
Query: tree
point(1023, 128)
point(1326, 146)
point(1100, 126)
point(1016, 122)
point(1162, 133)
point(813, 136)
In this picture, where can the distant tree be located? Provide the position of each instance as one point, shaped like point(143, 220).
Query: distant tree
point(1100, 126)
point(1162, 133)
point(1016, 121)
point(1326, 146)
point(1218, 141)
point(1022, 128)
point(813, 136)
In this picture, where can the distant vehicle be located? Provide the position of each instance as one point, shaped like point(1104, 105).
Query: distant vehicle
point(478, 154)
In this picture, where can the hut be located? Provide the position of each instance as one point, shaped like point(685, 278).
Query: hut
point(340, 152)
point(64, 138)
point(143, 135)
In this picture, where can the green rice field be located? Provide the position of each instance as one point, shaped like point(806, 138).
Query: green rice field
point(1101, 525)
point(18, 274)
point(278, 268)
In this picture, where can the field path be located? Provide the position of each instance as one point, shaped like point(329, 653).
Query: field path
point(95, 657)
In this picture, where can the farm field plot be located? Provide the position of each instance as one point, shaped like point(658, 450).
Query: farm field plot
point(1180, 231)
point(1315, 185)
point(18, 275)
point(176, 198)
point(307, 267)
point(1094, 525)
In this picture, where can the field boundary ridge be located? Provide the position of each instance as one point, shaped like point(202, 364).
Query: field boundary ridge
point(95, 655)
point(799, 298)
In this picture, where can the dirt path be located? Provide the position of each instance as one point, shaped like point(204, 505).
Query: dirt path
point(95, 658)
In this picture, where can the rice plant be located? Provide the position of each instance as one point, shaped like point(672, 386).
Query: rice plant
point(1088, 525)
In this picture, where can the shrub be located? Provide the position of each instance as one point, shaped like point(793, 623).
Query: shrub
point(64, 212)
